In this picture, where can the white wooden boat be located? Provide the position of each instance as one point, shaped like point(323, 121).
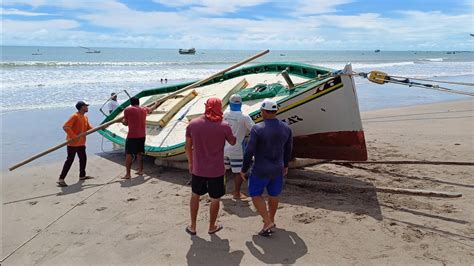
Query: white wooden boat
point(322, 110)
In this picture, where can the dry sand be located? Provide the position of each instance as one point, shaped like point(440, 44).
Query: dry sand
point(142, 221)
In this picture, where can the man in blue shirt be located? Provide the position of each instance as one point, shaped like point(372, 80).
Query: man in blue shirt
point(270, 144)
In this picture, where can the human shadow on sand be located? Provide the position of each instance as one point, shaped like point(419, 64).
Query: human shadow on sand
point(357, 202)
point(214, 252)
point(134, 181)
point(282, 247)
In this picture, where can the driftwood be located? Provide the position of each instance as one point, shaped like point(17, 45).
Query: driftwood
point(338, 187)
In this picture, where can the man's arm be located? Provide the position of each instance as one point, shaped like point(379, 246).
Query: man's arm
point(249, 151)
point(229, 136)
point(67, 127)
point(189, 153)
point(287, 152)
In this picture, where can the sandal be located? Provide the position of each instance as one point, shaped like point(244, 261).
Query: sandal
point(61, 183)
point(189, 231)
point(86, 177)
point(265, 233)
point(219, 227)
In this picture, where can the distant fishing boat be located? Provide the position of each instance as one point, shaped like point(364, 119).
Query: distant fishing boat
point(90, 51)
point(187, 51)
point(377, 51)
point(319, 104)
point(37, 52)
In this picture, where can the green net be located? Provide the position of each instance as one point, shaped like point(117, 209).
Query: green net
point(261, 91)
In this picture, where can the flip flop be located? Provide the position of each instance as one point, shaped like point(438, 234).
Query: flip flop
point(219, 227)
point(189, 231)
point(86, 177)
point(265, 233)
point(61, 184)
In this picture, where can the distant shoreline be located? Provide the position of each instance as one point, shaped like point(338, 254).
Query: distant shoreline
point(210, 49)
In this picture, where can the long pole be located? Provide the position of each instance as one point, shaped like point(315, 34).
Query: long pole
point(154, 105)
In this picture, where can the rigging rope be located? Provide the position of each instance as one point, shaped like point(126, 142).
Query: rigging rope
point(382, 78)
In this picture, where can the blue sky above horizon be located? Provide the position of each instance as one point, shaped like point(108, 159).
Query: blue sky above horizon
point(241, 24)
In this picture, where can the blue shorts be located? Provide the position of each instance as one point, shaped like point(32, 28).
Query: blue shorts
point(257, 185)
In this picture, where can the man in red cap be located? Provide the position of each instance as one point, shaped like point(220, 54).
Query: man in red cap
point(205, 140)
point(75, 125)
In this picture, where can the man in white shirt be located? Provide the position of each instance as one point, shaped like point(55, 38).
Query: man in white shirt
point(113, 103)
point(233, 155)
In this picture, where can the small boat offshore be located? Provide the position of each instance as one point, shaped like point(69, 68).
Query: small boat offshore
point(187, 51)
point(319, 105)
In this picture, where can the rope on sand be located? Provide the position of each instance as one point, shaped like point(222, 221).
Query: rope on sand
point(57, 219)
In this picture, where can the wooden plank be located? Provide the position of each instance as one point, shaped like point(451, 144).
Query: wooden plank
point(187, 97)
point(225, 99)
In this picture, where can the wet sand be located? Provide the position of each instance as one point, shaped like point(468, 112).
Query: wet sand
point(142, 221)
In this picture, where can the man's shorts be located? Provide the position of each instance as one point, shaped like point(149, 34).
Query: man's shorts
point(257, 185)
point(234, 163)
point(215, 186)
point(134, 145)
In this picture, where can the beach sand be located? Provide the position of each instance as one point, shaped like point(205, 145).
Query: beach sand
point(142, 221)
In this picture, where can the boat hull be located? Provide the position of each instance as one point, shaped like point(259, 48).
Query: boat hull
point(324, 118)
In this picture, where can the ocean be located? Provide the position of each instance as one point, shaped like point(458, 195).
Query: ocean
point(40, 85)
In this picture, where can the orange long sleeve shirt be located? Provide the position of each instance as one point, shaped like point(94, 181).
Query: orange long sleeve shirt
point(75, 125)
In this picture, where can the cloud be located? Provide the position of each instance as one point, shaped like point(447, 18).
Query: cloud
point(212, 6)
point(15, 26)
point(311, 24)
point(17, 12)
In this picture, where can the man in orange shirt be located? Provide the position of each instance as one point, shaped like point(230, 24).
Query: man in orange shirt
point(75, 125)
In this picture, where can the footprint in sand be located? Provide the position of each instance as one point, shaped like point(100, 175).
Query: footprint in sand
point(413, 235)
point(304, 218)
point(101, 209)
point(32, 202)
point(132, 236)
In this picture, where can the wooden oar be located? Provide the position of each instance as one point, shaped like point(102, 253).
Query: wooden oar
point(154, 106)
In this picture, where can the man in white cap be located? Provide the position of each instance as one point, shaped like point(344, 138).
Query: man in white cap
point(270, 144)
point(233, 155)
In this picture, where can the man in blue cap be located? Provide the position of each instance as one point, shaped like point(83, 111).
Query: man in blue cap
point(233, 154)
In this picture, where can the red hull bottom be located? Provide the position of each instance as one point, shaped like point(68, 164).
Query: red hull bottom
point(342, 145)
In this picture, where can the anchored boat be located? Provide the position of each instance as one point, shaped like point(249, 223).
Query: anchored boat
point(187, 51)
point(319, 104)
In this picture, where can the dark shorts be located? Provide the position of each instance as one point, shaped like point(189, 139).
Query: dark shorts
point(135, 145)
point(213, 185)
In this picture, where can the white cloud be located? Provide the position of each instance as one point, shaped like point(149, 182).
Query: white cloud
point(15, 26)
point(311, 7)
point(212, 6)
point(315, 24)
point(13, 11)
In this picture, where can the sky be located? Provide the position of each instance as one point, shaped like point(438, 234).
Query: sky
point(241, 24)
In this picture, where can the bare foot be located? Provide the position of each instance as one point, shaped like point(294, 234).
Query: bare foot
point(139, 173)
point(126, 177)
point(240, 196)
